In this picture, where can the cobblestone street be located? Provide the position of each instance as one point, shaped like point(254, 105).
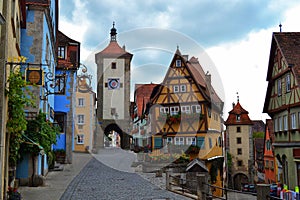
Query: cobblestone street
point(99, 181)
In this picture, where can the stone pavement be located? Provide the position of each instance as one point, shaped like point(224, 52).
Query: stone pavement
point(57, 181)
point(108, 177)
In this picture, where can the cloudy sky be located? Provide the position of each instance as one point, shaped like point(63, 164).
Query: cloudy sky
point(231, 38)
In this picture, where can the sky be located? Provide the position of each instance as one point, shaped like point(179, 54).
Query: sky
point(230, 38)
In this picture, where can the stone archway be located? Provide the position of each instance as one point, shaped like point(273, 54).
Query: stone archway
point(239, 179)
point(124, 137)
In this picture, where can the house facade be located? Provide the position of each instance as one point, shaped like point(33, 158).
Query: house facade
point(239, 146)
point(270, 165)
point(85, 114)
point(282, 104)
point(68, 54)
point(38, 46)
point(185, 110)
point(11, 21)
point(141, 130)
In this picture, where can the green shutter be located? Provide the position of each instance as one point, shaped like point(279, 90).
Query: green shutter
point(157, 143)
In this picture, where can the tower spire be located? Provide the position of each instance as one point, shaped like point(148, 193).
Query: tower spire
point(280, 27)
point(113, 33)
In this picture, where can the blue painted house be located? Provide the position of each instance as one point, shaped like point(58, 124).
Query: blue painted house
point(68, 51)
point(38, 45)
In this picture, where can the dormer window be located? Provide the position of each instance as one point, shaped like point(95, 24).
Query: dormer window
point(178, 63)
point(238, 118)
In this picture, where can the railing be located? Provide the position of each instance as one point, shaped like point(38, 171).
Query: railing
point(201, 189)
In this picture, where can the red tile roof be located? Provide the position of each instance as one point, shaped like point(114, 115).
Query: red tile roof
point(114, 50)
point(238, 110)
point(142, 96)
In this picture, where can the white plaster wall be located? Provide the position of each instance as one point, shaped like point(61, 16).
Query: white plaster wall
point(113, 98)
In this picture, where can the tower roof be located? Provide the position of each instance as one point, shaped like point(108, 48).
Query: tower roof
point(113, 49)
point(238, 116)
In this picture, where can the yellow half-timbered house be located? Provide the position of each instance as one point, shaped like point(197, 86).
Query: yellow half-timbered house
point(186, 110)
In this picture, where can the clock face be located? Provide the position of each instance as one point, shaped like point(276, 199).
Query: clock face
point(113, 83)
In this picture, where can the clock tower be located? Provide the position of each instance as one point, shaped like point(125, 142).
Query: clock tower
point(113, 92)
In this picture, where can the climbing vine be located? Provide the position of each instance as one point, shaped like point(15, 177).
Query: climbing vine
point(42, 133)
point(16, 123)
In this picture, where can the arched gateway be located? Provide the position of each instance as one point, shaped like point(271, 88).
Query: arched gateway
point(113, 92)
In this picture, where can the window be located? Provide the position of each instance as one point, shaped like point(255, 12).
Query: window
point(280, 123)
point(61, 52)
point(268, 145)
point(272, 164)
point(288, 82)
point(239, 151)
point(113, 65)
point(113, 111)
point(238, 118)
point(293, 121)
point(279, 87)
point(276, 124)
point(196, 109)
point(80, 119)
point(178, 63)
point(185, 109)
point(176, 88)
point(210, 142)
point(60, 83)
point(179, 141)
point(182, 88)
point(285, 122)
point(201, 142)
point(239, 140)
point(240, 163)
point(80, 139)
point(191, 141)
point(164, 110)
point(238, 129)
point(174, 110)
point(80, 102)
point(59, 118)
point(267, 164)
point(169, 140)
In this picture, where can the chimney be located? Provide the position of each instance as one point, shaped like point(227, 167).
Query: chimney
point(186, 57)
point(233, 104)
point(208, 80)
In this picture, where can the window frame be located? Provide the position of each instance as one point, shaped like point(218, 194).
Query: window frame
point(80, 136)
point(174, 110)
point(288, 82)
point(81, 102)
point(186, 109)
point(182, 88)
point(178, 63)
point(80, 119)
point(279, 87)
point(61, 52)
point(176, 88)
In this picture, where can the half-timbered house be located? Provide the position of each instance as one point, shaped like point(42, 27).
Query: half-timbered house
point(282, 103)
point(186, 111)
